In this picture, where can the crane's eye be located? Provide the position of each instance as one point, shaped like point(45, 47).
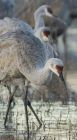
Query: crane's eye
point(49, 10)
point(46, 33)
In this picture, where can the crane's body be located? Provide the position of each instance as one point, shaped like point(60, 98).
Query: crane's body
point(12, 24)
point(23, 54)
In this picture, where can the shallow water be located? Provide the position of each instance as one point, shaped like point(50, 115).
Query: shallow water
point(59, 122)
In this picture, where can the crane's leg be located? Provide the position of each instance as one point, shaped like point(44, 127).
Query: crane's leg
point(9, 89)
point(26, 111)
point(27, 103)
point(9, 105)
point(10, 96)
point(30, 106)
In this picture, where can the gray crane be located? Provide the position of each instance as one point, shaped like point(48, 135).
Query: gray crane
point(23, 55)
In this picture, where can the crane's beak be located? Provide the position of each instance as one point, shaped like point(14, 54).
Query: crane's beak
point(50, 39)
point(58, 19)
point(62, 79)
point(49, 15)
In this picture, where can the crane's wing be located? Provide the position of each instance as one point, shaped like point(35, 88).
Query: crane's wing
point(21, 50)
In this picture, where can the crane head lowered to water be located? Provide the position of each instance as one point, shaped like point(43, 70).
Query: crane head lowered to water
point(56, 66)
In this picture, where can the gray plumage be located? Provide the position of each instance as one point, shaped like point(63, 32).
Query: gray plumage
point(12, 24)
point(13, 52)
point(23, 54)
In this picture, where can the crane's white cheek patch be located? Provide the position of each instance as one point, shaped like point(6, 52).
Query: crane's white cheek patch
point(45, 38)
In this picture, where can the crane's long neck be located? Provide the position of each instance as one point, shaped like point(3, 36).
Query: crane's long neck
point(39, 21)
point(41, 76)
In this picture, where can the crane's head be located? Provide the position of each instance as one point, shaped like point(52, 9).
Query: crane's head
point(44, 10)
point(43, 33)
point(48, 11)
point(56, 66)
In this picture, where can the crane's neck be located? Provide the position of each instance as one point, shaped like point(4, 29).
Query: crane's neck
point(41, 76)
point(39, 21)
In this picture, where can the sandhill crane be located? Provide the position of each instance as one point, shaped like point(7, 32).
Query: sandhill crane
point(23, 55)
